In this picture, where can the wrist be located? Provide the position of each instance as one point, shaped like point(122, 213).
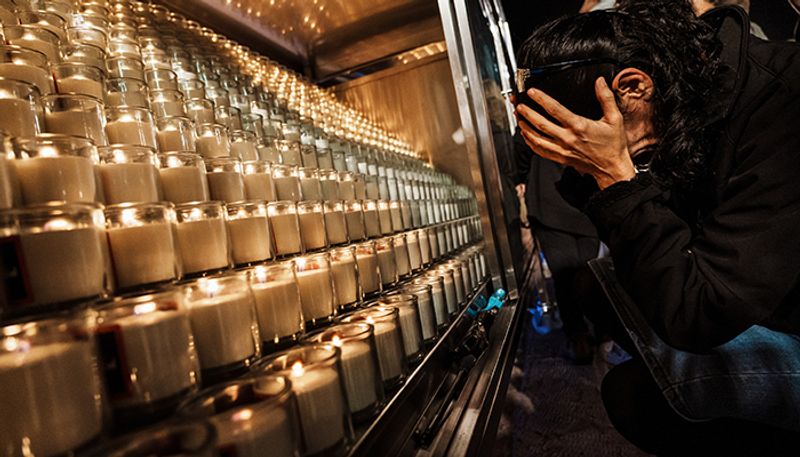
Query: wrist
point(624, 172)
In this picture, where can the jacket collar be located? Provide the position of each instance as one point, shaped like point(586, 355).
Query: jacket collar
point(733, 30)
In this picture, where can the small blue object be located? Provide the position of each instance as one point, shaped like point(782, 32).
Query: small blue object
point(545, 319)
point(480, 305)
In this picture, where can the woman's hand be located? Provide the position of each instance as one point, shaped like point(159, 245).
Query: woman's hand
point(598, 148)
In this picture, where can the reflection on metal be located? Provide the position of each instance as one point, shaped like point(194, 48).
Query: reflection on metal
point(417, 101)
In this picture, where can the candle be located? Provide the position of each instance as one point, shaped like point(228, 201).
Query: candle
point(50, 401)
point(167, 103)
point(368, 276)
point(438, 297)
point(410, 327)
point(243, 145)
point(441, 239)
point(458, 282)
point(405, 214)
point(359, 187)
point(424, 247)
point(212, 141)
point(312, 225)
point(290, 152)
point(335, 224)
point(346, 188)
point(384, 218)
point(183, 184)
point(414, 255)
point(258, 185)
point(202, 225)
point(146, 352)
point(449, 290)
point(78, 115)
point(434, 242)
point(355, 224)
point(280, 316)
point(388, 341)
point(310, 188)
point(141, 243)
point(18, 117)
point(221, 314)
point(371, 223)
point(80, 85)
point(427, 314)
point(316, 290)
point(401, 256)
point(330, 188)
point(227, 186)
point(345, 278)
point(27, 71)
point(286, 230)
point(9, 195)
point(387, 265)
point(55, 177)
point(175, 134)
point(394, 212)
point(200, 111)
point(128, 174)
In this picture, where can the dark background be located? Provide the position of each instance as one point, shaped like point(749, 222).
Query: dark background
point(776, 17)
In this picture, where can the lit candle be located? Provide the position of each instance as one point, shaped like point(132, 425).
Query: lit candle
point(287, 184)
point(414, 255)
point(424, 246)
point(394, 212)
point(285, 227)
point(212, 141)
point(329, 185)
point(221, 313)
point(316, 289)
point(258, 184)
point(371, 221)
point(183, 177)
point(56, 167)
point(19, 108)
point(346, 188)
point(354, 218)
point(78, 84)
point(345, 276)
point(368, 275)
point(335, 224)
point(128, 174)
point(25, 70)
point(202, 225)
point(280, 316)
point(401, 256)
point(386, 261)
point(248, 227)
point(243, 145)
point(427, 314)
point(384, 217)
point(309, 184)
point(449, 289)
point(78, 115)
point(132, 126)
point(141, 243)
point(175, 134)
point(410, 326)
point(225, 179)
point(388, 341)
point(312, 225)
point(437, 295)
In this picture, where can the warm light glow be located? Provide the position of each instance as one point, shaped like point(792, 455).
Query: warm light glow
point(145, 308)
point(336, 341)
point(129, 218)
point(211, 287)
point(57, 224)
point(48, 151)
point(243, 415)
point(298, 369)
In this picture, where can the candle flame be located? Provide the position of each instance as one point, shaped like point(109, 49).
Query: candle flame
point(301, 263)
point(129, 217)
point(57, 224)
point(243, 415)
point(297, 369)
point(144, 308)
point(173, 162)
point(48, 151)
point(336, 341)
point(370, 320)
point(210, 286)
point(195, 214)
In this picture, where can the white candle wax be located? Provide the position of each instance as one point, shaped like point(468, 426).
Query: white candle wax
point(388, 266)
point(155, 348)
point(372, 190)
point(450, 295)
point(172, 140)
point(336, 227)
point(358, 373)
point(68, 178)
point(439, 304)
point(401, 257)
point(80, 85)
point(210, 146)
point(167, 108)
point(39, 77)
point(245, 150)
point(17, 117)
point(347, 190)
point(203, 245)
point(368, 272)
point(183, 184)
point(64, 264)
point(310, 189)
point(312, 230)
point(8, 188)
point(278, 309)
point(250, 241)
point(424, 248)
point(222, 329)
point(390, 350)
point(142, 254)
point(414, 256)
point(330, 190)
point(397, 221)
point(459, 284)
point(50, 397)
point(465, 277)
point(226, 186)
point(251, 431)
point(441, 239)
point(405, 215)
point(355, 225)
point(288, 188)
point(129, 182)
point(320, 407)
point(259, 186)
point(286, 230)
point(371, 223)
point(410, 330)
point(385, 219)
point(345, 281)
point(316, 294)
point(75, 122)
point(360, 189)
point(131, 131)
point(434, 245)
point(426, 316)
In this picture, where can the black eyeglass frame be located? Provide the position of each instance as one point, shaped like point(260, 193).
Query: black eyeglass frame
point(524, 73)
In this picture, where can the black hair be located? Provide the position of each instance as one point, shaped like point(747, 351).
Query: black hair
point(680, 53)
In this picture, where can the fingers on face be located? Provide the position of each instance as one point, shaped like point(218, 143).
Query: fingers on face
point(553, 107)
point(545, 147)
point(541, 123)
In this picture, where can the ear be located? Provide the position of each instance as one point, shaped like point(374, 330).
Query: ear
point(632, 85)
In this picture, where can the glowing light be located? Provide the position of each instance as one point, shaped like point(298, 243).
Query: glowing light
point(336, 341)
point(298, 369)
point(144, 308)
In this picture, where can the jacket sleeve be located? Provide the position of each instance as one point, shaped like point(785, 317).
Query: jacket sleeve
point(699, 290)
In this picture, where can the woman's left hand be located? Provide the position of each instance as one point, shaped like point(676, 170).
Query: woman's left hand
point(598, 148)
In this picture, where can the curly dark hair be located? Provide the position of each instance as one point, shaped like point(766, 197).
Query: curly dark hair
point(680, 53)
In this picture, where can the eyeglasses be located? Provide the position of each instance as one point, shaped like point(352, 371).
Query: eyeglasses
point(524, 75)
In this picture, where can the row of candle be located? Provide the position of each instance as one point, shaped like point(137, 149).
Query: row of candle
point(141, 356)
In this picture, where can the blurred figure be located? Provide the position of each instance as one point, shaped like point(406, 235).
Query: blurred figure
point(703, 6)
point(795, 4)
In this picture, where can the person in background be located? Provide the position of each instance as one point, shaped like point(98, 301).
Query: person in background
point(689, 174)
point(795, 4)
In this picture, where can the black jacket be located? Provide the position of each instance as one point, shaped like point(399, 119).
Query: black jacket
point(700, 278)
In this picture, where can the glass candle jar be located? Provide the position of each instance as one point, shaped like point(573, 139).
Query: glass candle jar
point(192, 89)
point(140, 239)
point(277, 298)
point(186, 438)
point(371, 218)
point(258, 183)
point(335, 223)
point(175, 134)
point(290, 152)
point(55, 167)
point(248, 228)
point(225, 179)
point(369, 275)
point(397, 218)
point(401, 255)
point(87, 35)
point(200, 110)
point(183, 177)
point(124, 67)
point(125, 49)
point(359, 186)
point(388, 342)
point(441, 240)
point(384, 217)
point(222, 314)
point(316, 289)
point(34, 37)
point(405, 214)
point(359, 363)
point(243, 145)
point(166, 103)
point(253, 123)
point(130, 126)
point(372, 187)
point(309, 183)
point(76, 78)
point(229, 116)
point(408, 314)
point(329, 184)
point(424, 246)
point(449, 286)
point(202, 237)
point(147, 355)
point(49, 379)
point(9, 190)
point(23, 64)
point(285, 228)
point(287, 182)
point(448, 237)
point(126, 92)
point(466, 281)
point(387, 263)
point(312, 225)
point(346, 187)
point(439, 300)
point(414, 254)
point(160, 79)
point(354, 217)
point(62, 254)
point(416, 215)
point(212, 141)
point(318, 387)
point(427, 311)
point(345, 277)
point(128, 174)
point(250, 416)
point(79, 115)
point(267, 150)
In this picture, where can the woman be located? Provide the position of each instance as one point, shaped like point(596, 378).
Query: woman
point(690, 174)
